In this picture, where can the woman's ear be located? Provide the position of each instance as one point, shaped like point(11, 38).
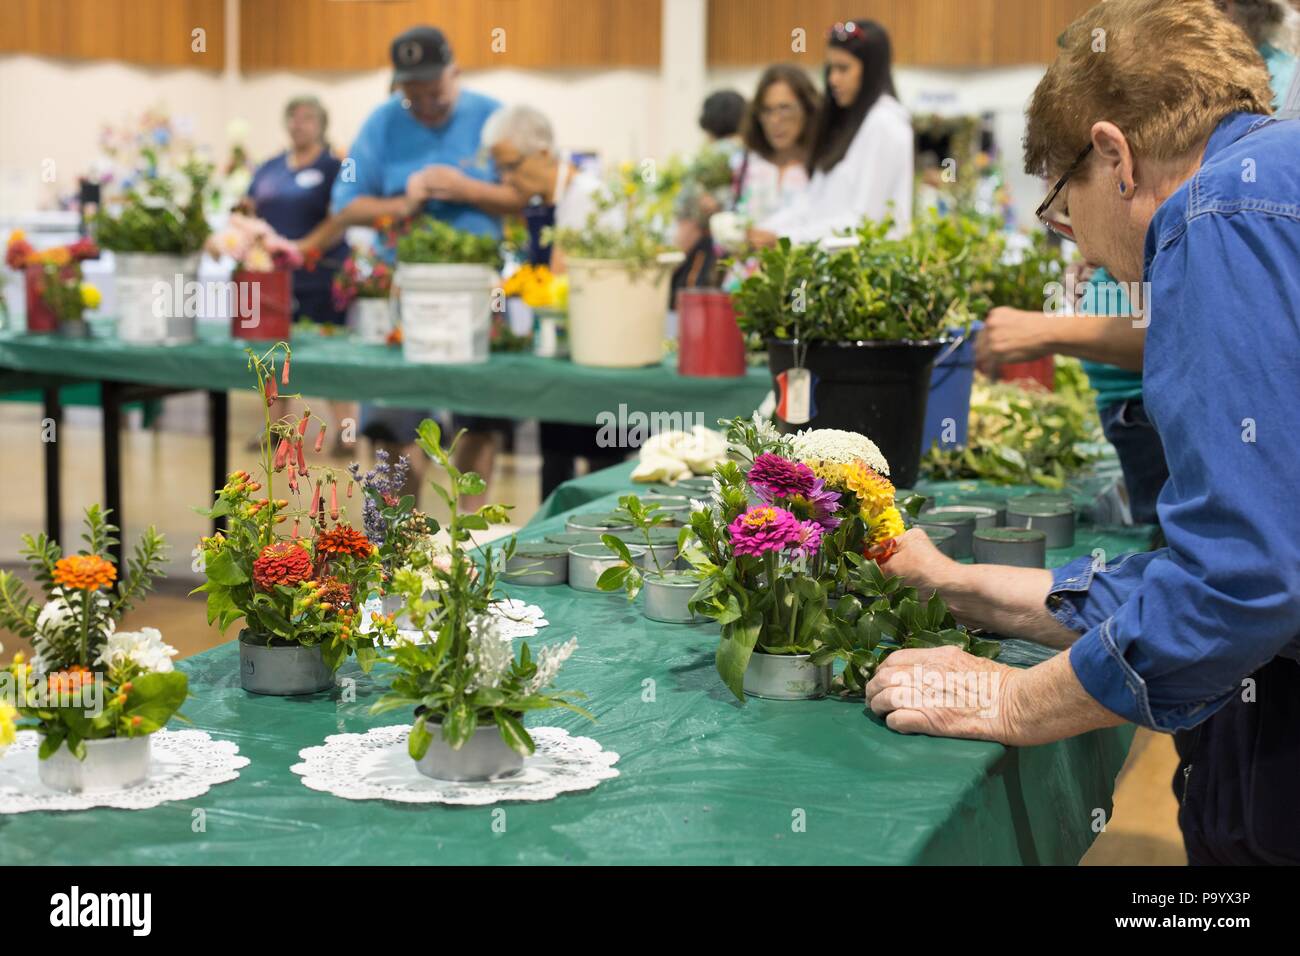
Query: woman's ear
point(1114, 157)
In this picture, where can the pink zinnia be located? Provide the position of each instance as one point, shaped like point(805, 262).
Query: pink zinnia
point(763, 529)
point(808, 539)
point(777, 477)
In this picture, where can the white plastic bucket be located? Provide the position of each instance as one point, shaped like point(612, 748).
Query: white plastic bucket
point(446, 312)
point(152, 295)
point(617, 312)
point(370, 320)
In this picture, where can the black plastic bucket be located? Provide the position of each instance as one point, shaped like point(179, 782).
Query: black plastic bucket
point(878, 389)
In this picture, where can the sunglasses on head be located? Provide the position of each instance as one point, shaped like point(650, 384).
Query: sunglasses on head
point(1059, 223)
point(845, 32)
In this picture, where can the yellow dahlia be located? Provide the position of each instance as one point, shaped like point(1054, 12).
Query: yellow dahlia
point(84, 572)
point(874, 491)
point(887, 524)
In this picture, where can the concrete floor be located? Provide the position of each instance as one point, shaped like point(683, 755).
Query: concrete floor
point(165, 474)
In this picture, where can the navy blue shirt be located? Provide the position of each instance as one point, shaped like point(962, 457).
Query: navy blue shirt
point(1169, 636)
point(296, 201)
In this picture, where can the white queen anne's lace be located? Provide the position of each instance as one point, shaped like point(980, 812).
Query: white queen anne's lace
point(376, 766)
point(834, 445)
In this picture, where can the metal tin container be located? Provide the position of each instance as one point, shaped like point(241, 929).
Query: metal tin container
point(539, 564)
point(1017, 547)
point(962, 523)
point(113, 763)
point(942, 538)
point(484, 756)
point(602, 522)
point(984, 517)
point(1047, 515)
point(786, 677)
point(587, 561)
point(677, 508)
point(998, 505)
point(666, 597)
point(570, 538)
point(699, 486)
point(282, 671)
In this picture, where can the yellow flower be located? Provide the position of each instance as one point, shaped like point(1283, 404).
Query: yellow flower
point(90, 296)
point(17, 236)
point(887, 524)
point(58, 256)
point(7, 715)
point(875, 492)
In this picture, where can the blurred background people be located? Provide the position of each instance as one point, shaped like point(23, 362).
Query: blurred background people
point(777, 133)
point(691, 235)
point(862, 150)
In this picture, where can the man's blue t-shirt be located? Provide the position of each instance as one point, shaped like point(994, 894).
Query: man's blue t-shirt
point(393, 144)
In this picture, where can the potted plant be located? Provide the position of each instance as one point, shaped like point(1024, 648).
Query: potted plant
point(852, 333)
point(528, 290)
point(618, 285)
point(263, 276)
point(668, 591)
point(444, 283)
point(361, 287)
point(94, 693)
point(468, 689)
point(156, 231)
point(56, 296)
point(298, 589)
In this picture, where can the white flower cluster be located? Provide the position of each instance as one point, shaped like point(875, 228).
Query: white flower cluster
point(549, 660)
point(145, 649)
point(831, 444)
point(59, 625)
point(674, 455)
point(491, 653)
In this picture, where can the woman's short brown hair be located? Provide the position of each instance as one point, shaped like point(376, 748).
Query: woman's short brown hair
point(1166, 72)
point(792, 76)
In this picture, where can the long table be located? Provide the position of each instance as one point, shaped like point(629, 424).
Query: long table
point(512, 385)
point(703, 778)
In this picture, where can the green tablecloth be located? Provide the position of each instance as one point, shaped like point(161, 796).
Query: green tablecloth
point(704, 779)
point(510, 385)
point(1091, 491)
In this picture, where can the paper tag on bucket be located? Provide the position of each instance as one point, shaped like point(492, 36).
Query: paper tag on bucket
point(795, 406)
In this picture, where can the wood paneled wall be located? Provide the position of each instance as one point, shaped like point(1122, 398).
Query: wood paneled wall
point(147, 32)
point(926, 33)
point(355, 34)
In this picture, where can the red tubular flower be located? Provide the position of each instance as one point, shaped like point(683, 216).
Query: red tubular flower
point(295, 529)
point(349, 489)
point(302, 462)
point(302, 425)
point(284, 562)
point(320, 437)
point(272, 392)
point(284, 372)
point(293, 481)
point(282, 455)
point(315, 499)
point(334, 501)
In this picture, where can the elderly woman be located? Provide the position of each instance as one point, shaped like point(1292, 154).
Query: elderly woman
point(1170, 171)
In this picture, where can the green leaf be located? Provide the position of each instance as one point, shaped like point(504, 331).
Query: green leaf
point(513, 733)
point(734, 651)
point(417, 744)
point(612, 579)
point(154, 698)
point(223, 569)
point(618, 546)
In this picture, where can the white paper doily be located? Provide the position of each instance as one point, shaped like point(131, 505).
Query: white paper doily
point(517, 619)
point(184, 764)
point(376, 766)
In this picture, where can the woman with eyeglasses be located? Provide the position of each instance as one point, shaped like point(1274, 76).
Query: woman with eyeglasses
point(862, 153)
point(1171, 173)
point(1102, 333)
point(777, 131)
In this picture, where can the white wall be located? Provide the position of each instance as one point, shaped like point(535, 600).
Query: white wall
point(54, 110)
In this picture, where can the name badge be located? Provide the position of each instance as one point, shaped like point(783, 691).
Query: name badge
point(309, 178)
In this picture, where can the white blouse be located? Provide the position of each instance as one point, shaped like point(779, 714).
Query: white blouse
point(878, 169)
point(767, 188)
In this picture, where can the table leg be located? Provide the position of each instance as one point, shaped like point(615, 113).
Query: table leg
point(53, 498)
point(219, 426)
point(111, 400)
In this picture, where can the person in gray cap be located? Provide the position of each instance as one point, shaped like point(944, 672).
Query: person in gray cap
point(420, 151)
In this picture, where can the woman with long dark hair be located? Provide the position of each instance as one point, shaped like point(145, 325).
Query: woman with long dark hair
point(862, 154)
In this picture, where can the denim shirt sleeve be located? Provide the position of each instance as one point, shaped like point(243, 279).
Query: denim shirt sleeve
point(1170, 638)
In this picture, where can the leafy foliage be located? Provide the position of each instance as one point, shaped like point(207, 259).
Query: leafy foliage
point(161, 214)
point(643, 518)
point(433, 241)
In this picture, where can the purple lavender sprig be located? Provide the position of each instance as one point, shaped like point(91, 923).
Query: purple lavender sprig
point(387, 480)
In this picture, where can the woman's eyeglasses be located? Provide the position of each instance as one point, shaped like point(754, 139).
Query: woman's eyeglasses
point(782, 111)
point(1059, 222)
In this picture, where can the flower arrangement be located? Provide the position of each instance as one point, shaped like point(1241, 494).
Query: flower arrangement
point(254, 246)
point(87, 680)
point(429, 240)
point(467, 673)
point(59, 268)
point(362, 276)
point(161, 211)
point(305, 586)
point(403, 536)
point(538, 287)
point(788, 516)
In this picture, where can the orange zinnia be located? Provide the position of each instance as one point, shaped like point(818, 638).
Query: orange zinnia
point(84, 572)
point(67, 681)
point(344, 540)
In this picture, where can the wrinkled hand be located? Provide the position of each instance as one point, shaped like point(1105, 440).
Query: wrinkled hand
point(1010, 335)
point(945, 692)
point(920, 564)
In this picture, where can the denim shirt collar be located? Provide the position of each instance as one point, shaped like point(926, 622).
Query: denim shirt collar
point(1232, 128)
